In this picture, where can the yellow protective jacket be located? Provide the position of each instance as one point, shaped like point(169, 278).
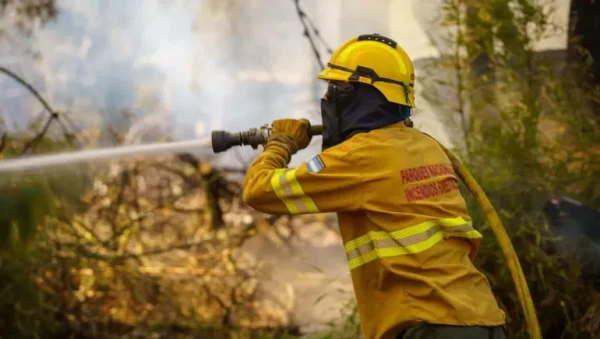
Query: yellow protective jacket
point(405, 227)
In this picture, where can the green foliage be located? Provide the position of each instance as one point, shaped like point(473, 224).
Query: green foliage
point(529, 134)
point(23, 207)
point(27, 200)
point(28, 13)
point(26, 310)
point(347, 327)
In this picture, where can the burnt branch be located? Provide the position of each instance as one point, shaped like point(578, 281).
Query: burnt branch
point(30, 88)
point(124, 182)
point(317, 33)
point(187, 179)
point(3, 142)
point(302, 16)
point(39, 136)
point(69, 137)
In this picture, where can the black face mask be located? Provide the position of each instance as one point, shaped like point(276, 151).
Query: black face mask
point(357, 108)
point(339, 97)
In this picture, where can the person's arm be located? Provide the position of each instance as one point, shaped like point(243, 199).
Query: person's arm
point(333, 181)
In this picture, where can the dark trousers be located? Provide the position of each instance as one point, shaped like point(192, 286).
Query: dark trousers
point(430, 331)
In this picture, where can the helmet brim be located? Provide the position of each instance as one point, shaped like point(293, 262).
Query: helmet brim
point(390, 91)
point(331, 74)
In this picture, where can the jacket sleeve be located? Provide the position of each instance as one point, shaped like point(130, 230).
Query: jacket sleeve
point(333, 181)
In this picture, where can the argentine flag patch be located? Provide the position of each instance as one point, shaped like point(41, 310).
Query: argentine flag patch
point(315, 165)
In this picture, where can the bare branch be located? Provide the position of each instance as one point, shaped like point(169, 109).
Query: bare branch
point(187, 210)
point(188, 180)
point(317, 33)
point(3, 142)
point(69, 137)
point(38, 137)
point(29, 88)
point(302, 16)
point(119, 201)
point(70, 121)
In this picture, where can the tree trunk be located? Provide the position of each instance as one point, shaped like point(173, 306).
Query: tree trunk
point(584, 42)
point(214, 184)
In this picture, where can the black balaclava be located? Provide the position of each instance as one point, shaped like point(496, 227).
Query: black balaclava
point(356, 108)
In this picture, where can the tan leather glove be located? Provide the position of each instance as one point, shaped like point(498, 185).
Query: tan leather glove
point(290, 134)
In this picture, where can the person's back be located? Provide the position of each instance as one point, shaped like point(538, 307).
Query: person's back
point(410, 247)
point(405, 227)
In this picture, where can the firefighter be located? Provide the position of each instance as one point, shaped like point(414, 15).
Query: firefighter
point(407, 234)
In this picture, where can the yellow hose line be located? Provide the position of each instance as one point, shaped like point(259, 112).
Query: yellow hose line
point(512, 260)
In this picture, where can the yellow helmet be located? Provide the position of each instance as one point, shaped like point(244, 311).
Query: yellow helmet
point(374, 60)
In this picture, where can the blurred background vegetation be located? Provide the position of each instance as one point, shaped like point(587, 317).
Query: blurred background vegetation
point(153, 247)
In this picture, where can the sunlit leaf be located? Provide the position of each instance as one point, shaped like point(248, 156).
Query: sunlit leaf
point(484, 15)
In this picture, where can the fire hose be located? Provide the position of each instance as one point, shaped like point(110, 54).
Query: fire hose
point(222, 141)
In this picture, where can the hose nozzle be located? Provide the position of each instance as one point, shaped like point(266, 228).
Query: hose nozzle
point(223, 140)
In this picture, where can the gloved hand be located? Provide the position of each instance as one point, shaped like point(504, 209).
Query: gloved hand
point(290, 134)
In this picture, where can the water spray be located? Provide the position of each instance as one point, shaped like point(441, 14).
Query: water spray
point(68, 158)
point(220, 142)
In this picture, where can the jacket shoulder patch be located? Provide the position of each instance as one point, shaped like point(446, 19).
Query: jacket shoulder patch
point(315, 165)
